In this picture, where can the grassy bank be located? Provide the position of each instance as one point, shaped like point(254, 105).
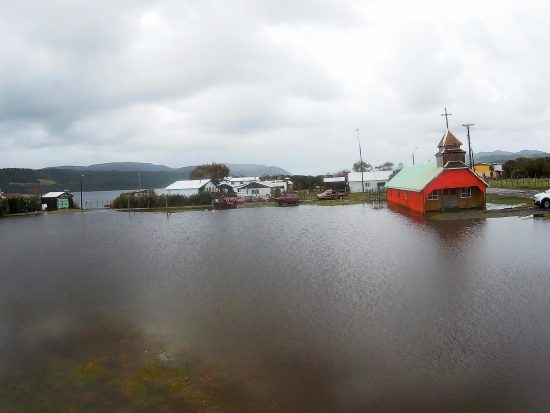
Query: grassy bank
point(351, 199)
point(499, 199)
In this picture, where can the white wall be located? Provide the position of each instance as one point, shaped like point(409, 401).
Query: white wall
point(209, 187)
point(248, 192)
point(369, 186)
point(184, 192)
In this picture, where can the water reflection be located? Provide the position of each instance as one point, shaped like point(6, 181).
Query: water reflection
point(294, 309)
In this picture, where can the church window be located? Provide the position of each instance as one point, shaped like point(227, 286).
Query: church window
point(433, 196)
point(466, 192)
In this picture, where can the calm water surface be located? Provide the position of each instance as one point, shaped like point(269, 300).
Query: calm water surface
point(314, 309)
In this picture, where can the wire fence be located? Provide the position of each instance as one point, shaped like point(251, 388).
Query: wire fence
point(520, 183)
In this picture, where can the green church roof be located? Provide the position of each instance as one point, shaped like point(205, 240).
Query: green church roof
point(414, 178)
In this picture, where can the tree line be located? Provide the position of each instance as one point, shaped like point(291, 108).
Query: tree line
point(527, 168)
point(20, 205)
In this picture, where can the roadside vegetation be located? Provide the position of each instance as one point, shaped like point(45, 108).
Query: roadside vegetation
point(527, 168)
point(128, 200)
point(20, 205)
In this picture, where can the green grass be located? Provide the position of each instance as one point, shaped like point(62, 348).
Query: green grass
point(507, 200)
point(521, 183)
point(46, 182)
point(351, 199)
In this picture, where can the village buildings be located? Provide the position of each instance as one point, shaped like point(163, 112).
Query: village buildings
point(489, 170)
point(447, 184)
point(243, 187)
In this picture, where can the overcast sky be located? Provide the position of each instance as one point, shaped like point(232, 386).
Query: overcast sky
point(277, 82)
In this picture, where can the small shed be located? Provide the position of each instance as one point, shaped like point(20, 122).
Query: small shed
point(190, 187)
point(226, 189)
point(372, 180)
point(58, 200)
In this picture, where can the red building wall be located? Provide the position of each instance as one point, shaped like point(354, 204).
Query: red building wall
point(409, 199)
point(455, 178)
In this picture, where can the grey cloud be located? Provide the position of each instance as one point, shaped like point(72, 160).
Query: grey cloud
point(281, 82)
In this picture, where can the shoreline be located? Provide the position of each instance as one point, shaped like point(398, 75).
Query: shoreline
point(518, 206)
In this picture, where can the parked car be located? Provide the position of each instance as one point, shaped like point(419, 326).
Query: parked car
point(332, 194)
point(543, 199)
point(289, 199)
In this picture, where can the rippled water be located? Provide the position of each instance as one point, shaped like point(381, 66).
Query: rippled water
point(338, 309)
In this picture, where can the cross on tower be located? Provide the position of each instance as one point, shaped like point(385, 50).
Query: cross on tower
point(446, 117)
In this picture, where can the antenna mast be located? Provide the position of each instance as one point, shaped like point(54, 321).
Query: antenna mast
point(361, 161)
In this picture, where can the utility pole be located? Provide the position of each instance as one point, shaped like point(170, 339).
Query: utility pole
point(139, 183)
point(81, 205)
point(470, 157)
point(361, 161)
point(415, 148)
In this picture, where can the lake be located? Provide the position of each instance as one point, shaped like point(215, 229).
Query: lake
point(307, 309)
point(99, 199)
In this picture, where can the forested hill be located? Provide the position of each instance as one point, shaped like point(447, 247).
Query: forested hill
point(59, 179)
point(53, 179)
point(503, 156)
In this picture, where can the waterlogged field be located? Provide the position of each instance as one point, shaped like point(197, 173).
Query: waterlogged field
point(307, 309)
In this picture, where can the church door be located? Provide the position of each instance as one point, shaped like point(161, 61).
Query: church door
point(450, 198)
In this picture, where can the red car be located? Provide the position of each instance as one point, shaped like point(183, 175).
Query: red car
point(290, 199)
point(331, 194)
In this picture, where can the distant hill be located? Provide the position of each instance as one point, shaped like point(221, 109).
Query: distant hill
point(503, 156)
point(102, 178)
point(247, 169)
point(235, 169)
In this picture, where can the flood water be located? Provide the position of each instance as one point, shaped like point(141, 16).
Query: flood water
point(307, 309)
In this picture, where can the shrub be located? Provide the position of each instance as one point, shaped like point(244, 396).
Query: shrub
point(22, 204)
point(128, 200)
point(4, 208)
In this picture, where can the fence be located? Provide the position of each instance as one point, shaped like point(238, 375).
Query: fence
point(522, 183)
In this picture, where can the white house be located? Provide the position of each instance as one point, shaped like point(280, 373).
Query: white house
point(276, 185)
point(254, 190)
point(192, 187)
point(372, 180)
point(240, 180)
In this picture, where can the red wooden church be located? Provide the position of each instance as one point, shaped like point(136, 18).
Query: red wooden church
point(446, 185)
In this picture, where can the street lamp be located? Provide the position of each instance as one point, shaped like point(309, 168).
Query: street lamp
point(415, 148)
point(81, 205)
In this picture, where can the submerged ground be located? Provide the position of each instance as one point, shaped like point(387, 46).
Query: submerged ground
point(306, 309)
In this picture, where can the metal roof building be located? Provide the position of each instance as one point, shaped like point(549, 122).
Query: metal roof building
point(190, 187)
point(447, 184)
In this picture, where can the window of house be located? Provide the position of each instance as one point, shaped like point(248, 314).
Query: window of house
point(466, 192)
point(255, 191)
point(433, 196)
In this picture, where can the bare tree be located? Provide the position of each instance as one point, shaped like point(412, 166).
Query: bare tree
point(361, 167)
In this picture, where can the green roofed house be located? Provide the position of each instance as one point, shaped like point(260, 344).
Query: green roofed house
point(447, 184)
